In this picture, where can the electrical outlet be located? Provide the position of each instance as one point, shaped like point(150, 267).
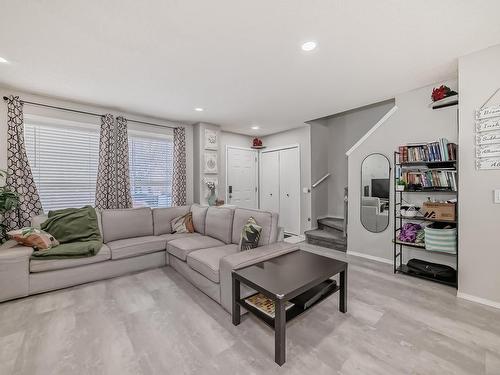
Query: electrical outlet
point(497, 195)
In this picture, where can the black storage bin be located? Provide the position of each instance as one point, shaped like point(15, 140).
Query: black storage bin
point(432, 270)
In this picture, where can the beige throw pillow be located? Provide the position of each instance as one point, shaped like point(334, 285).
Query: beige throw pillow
point(183, 224)
point(35, 238)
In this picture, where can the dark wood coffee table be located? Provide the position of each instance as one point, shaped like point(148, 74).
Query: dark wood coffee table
point(281, 279)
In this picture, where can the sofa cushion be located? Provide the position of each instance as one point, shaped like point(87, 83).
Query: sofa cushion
point(181, 247)
point(163, 216)
point(42, 265)
point(130, 247)
point(173, 236)
point(206, 261)
point(219, 223)
point(126, 223)
point(199, 216)
point(267, 220)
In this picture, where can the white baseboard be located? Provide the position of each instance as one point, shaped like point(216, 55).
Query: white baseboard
point(371, 257)
point(482, 301)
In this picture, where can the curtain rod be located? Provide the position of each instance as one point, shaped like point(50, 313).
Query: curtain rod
point(55, 107)
point(86, 113)
point(150, 123)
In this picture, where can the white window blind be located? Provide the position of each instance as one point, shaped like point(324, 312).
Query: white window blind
point(64, 161)
point(151, 163)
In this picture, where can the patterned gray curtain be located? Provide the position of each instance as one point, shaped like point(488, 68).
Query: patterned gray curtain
point(179, 170)
point(20, 178)
point(123, 199)
point(105, 194)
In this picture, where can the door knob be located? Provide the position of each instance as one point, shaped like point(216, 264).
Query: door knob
point(271, 194)
point(287, 194)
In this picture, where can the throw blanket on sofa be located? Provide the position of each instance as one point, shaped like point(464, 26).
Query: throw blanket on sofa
point(77, 231)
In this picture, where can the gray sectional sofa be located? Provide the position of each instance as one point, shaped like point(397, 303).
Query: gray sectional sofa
point(141, 238)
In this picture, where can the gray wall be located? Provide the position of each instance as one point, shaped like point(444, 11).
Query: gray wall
point(300, 136)
point(320, 145)
point(345, 130)
point(479, 276)
point(413, 121)
point(70, 116)
point(199, 188)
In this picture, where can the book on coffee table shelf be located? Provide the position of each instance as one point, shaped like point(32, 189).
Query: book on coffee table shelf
point(264, 304)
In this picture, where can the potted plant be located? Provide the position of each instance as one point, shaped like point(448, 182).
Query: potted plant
point(8, 200)
point(400, 185)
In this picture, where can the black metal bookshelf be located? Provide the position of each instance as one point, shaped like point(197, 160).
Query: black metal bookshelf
point(400, 246)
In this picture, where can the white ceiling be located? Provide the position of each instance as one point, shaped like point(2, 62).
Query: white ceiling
point(240, 60)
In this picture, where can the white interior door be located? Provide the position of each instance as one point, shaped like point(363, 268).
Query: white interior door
point(241, 177)
point(270, 181)
point(289, 175)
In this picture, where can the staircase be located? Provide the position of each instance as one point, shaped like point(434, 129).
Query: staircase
point(330, 233)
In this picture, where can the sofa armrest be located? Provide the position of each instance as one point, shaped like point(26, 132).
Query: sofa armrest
point(244, 259)
point(14, 270)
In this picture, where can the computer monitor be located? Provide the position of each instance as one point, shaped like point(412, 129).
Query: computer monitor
point(380, 188)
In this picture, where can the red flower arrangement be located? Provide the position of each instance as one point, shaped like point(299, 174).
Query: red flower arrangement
point(442, 92)
point(257, 142)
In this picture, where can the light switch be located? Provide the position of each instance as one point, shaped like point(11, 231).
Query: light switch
point(497, 195)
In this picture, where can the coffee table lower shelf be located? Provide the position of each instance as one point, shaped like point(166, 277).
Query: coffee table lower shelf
point(291, 313)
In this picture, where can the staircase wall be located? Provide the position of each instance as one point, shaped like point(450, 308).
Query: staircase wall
point(413, 121)
point(345, 130)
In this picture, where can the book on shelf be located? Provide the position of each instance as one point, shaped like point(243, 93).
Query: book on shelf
point(264, 304)
point(441, 150)
point(431, 178)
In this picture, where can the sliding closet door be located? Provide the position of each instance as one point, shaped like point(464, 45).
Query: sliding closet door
point(289, 177)
point(270, 181)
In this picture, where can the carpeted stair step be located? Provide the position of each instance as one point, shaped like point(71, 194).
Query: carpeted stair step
point(331, 239)
point(331, 224)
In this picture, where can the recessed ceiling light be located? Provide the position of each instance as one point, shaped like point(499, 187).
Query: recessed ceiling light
point(3, 61)
point(199, 109)
point(308, 46)
point(255, 127)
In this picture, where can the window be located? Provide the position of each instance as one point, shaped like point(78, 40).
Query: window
point(150, 161)
point(63, 159)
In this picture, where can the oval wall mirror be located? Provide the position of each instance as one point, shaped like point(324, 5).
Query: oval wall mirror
point(375, 183)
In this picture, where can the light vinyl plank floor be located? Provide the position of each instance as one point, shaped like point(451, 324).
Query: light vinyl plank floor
point(155, 322)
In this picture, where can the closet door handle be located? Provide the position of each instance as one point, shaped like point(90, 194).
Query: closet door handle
point(288, 195)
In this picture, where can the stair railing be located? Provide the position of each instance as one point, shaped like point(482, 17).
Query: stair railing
point(320, 180)
point(346, 205)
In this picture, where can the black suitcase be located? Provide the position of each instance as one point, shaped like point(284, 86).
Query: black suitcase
point(432, 270)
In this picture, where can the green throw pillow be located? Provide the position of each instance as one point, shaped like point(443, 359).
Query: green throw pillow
point(250, 235)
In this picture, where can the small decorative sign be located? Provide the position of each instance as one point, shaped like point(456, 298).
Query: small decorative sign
point(488, 163)
point(488, 125)
point(210, 162)
point(211, 141)
point(488, 138)
point(488, 112)
point(488, 151)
